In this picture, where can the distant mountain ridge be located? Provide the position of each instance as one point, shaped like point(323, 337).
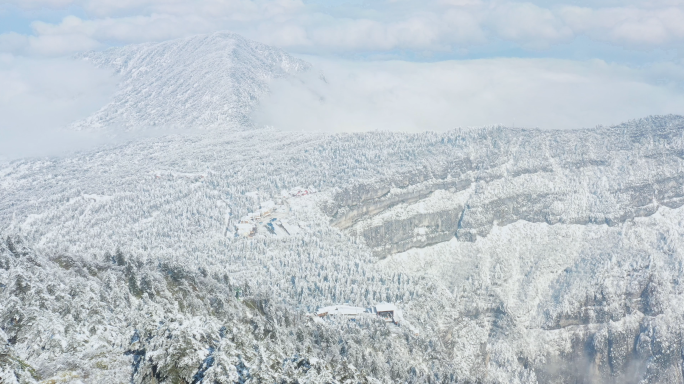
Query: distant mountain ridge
point(203, 81)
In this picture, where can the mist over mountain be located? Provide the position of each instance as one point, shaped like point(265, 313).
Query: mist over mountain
point(515, 255)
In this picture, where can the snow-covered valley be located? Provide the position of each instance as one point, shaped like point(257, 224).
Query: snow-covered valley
point(516, 255)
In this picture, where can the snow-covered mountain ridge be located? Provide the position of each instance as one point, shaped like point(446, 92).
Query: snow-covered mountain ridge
point(202, 81)
point(519, 256)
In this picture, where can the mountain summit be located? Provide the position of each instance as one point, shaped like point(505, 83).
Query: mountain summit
point(202, 81)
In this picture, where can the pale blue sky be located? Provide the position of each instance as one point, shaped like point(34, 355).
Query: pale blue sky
point(632, 32)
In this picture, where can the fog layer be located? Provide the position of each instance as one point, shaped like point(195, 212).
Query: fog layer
point(40, 98)
point(408, 96)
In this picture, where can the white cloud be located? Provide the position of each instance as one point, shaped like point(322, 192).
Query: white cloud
point(39, 98)
point(528, 24)
point(32, 4)
point(437, 96)
point(57, 45)
point(127, 29)
point(13, 42)
point(629, 26)
point(338, 27)
point(422, 31)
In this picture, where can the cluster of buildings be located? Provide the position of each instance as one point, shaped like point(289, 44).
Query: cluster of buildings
point(386, 311)
point(299, 191)
point(270, 217)
point(248, 224)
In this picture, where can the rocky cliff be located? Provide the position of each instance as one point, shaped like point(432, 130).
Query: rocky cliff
point(606, 175)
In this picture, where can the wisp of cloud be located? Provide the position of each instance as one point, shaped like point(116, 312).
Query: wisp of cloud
point(408, 96)
point(40, 98)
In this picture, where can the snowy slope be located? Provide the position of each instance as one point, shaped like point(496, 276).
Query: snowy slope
point(201, 81)
point(501, 305)
point(518, 256)
point(554, 177)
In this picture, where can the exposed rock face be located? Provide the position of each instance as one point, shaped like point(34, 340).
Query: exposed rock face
point(416, 230)
point(607, 175)
point(622, 335)
point(599, 303)
point(567, 302)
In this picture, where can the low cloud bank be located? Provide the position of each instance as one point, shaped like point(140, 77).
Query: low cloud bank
point(40, 98)
point(407, 96)
point(443, 27)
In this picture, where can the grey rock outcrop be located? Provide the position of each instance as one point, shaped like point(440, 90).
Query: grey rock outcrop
point(606, 175)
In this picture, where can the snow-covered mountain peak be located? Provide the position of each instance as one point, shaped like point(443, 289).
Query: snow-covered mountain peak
point(203, 81)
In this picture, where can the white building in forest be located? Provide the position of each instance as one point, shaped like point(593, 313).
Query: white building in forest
point(387, 311)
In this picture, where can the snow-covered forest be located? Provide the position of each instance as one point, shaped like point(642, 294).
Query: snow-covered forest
point(516, 255)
